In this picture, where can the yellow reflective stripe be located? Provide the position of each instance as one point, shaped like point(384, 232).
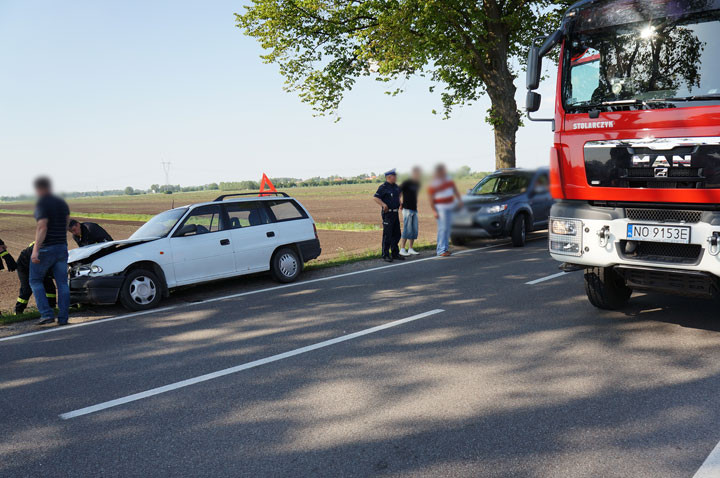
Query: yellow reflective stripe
point(22, 301)
point(5, 253)
point(51, 295)
point(31, 244)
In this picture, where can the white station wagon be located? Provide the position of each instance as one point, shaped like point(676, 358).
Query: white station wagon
point(231, 236)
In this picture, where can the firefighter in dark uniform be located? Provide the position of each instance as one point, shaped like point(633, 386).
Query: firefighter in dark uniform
point(23, 272)
point(87, 233)
point(388, 198)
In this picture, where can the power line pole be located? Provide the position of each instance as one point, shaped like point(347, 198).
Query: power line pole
point(166, 168)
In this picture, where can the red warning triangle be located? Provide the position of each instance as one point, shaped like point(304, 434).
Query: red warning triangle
point(266, 186)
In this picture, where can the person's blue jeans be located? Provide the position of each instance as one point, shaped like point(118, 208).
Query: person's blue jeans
point(54, 259)
point(444, 222)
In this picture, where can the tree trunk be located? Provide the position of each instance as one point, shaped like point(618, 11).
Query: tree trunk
point(506, 129)
point(498, 79)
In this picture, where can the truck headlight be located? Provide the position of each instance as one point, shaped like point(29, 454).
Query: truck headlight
point(95, 269)
point(565, 236)
point(496, 208)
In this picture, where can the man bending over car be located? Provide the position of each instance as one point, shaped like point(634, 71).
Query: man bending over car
point(87, 233)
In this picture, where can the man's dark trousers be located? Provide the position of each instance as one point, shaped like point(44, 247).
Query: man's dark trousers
point(391, 233)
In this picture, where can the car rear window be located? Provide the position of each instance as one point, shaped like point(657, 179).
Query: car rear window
point(286, 210)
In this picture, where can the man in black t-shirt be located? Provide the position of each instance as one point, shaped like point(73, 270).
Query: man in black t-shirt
point(409, 189)
point(50, 252)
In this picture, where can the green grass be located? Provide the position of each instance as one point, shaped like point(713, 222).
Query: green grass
point(350, 258)
point(89, 215)
point(10, 318)
point(346, 226)
point(324, 226)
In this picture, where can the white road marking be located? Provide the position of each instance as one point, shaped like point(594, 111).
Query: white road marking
point(239, 368)
point(543, 279)
point(711, 466)
point(242, 294)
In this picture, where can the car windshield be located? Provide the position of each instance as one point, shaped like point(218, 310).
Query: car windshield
point(661, 57)
point(516, 183)
point(160, 225)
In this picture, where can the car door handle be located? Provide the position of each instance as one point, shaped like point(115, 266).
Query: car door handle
point(270, 234)
point(224, 242)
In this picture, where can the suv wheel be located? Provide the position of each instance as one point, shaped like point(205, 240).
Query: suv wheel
point(605, 288)
point(286, 265)
point(519, 230)
point(141, 290)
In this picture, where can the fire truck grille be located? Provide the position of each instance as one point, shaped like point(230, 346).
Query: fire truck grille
point(694, 173)
point(661, 252)
point(663, 215)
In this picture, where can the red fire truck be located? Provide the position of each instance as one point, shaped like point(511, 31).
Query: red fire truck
point(635, 164)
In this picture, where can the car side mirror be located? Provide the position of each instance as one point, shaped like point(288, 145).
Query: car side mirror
point(187, 230)
point(532, 101)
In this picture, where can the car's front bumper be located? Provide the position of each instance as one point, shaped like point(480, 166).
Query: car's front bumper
point(95, 290)
point(470, 224)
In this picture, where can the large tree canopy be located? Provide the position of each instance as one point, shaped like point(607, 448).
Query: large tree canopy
point(467, 48)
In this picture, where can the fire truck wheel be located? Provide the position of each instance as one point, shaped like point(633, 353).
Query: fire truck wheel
point(519, 230)
point(286, 265)
point(605, 288)
point(141, 290)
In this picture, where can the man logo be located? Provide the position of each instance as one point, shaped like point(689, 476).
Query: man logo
point(661, 172)
point(661, 161)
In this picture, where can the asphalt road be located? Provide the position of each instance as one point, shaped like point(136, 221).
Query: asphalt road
point(489, 376)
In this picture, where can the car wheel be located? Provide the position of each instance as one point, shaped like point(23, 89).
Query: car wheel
point(519, 230)
point(458, 241)
point(286, 265)
point(605, 288)
point(141, 290)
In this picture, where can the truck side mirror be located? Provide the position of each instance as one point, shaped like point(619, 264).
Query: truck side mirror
point(534, 63)
point(532, 101)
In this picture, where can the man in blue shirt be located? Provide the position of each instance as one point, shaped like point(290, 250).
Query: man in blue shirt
point(388, 198)
point(50, 253)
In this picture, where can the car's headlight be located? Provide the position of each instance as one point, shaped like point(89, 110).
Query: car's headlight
point(496, 208)
point(87, 270)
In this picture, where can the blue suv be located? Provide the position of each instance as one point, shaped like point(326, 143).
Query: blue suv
point(508, 202)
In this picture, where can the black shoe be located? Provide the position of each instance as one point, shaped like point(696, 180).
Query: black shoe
point(60, 324)
point(46, 321)
point(387, 258)
point(398, 258)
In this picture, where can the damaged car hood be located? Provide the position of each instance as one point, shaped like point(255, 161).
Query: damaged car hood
point(95, 251)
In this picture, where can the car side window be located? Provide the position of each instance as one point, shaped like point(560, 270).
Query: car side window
point(542, 183)
point(286, 210)
point(246, 214)
point(201, 220)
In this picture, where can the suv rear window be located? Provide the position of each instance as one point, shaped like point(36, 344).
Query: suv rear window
point(286, 210)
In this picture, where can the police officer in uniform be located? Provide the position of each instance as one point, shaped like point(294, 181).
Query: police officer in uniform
point(388, 198)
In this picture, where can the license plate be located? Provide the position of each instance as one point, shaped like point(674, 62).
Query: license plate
point(658, 233)
point(463, 220)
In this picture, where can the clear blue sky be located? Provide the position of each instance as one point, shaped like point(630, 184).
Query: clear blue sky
point(96, 94)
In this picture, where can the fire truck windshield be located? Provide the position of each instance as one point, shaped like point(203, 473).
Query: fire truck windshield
point(667, 62)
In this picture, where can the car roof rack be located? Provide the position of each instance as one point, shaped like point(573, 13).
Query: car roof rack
point(263, 193)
